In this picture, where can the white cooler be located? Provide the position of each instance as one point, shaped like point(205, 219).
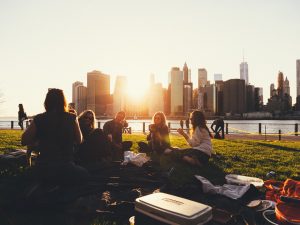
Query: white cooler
point(171, 209)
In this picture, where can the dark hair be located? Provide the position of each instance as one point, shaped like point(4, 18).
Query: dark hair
point(198, 120)
point(55, 101)
point(121, 113)
point(21, 108)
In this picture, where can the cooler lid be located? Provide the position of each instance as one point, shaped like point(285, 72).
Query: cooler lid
point(174, 204)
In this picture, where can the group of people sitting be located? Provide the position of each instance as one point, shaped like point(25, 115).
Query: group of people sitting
point(70, 145)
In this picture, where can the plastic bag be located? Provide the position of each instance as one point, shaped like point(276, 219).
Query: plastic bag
point(136, 159)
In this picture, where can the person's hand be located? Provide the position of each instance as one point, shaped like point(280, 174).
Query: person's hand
point(109, 137)
point(180, 131)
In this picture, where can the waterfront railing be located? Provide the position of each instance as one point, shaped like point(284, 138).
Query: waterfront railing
point(232, 127)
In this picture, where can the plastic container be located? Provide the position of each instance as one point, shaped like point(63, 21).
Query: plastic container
point(171, 209)
point(243, 180)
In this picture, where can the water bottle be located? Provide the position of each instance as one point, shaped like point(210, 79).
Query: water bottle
point(270, 175)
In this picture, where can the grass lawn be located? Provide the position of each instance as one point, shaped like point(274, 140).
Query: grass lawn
point(245, 157)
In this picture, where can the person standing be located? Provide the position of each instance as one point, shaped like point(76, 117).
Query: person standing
point(181, 124)
point(21, 116)
point(187, 123)
point(113, 130)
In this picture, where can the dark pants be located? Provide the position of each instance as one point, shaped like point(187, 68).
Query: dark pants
point(61, 173)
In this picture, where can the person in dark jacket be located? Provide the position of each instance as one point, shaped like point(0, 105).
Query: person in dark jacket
point(158, 138)
point(218, 126)
point(55, 131)
point(21, 116)
point(94, 150)
point(113, 130)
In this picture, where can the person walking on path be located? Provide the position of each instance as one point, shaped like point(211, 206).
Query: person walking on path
point(181, 124)
point(187, 123)
point(21, 116)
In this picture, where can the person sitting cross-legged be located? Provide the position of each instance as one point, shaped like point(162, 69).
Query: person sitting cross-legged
point(94, 151)
point(200, 142)
point(56, 131)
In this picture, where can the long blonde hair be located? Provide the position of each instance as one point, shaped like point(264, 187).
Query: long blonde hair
point(163, 120)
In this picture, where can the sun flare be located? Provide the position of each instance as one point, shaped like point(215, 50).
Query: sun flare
point(137, 89)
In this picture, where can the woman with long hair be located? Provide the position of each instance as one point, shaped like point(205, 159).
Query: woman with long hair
point(94, 150)
point(159, 133)
point(55, 132)
point(200, 141)
point(158, 138)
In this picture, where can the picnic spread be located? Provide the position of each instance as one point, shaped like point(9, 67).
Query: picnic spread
point(143, 194)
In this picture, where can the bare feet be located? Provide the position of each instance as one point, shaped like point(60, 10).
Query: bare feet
point(192, 161)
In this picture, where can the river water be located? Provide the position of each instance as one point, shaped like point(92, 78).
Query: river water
point(234, 126)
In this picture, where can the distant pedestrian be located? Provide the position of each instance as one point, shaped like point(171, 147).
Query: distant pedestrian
point(187, 123)
point(218, 126)
point(21, 116)
point(181, 124)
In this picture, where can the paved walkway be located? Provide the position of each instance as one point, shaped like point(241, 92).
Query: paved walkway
point(262, 137)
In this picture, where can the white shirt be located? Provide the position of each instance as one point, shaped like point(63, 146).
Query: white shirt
point(201, 140)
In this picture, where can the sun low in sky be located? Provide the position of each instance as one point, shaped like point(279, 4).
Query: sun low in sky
point(55, 43)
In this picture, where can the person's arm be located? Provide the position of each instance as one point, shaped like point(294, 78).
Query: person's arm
point(181, 132)
point(78, 134)
point(212, 126)
point(29, 135)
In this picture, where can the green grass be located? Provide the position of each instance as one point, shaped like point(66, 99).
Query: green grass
point(245, 157)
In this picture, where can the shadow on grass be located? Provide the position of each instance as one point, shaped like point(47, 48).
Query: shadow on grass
point(279, 147)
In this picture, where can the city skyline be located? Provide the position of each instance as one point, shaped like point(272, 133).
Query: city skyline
point(139, 38)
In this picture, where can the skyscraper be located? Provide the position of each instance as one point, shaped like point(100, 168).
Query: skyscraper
point(244, 72)
point(234, 96)
point(217, 76)
point(80, 103)
point(202, 77)
point(286, 86)
point(280, 81)
point(156, 100)
point(98, 92)
point(187, 89)
point(298, 76)
point(119, 97)
point(74, 89)
point(176, 87)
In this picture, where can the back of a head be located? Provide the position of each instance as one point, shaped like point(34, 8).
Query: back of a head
point(198, 119)
point(21, 108)
point(55, 101)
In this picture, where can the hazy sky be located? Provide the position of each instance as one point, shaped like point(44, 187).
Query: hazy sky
point(54, 43)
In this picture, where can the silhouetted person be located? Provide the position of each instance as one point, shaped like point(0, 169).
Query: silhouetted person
point(21, 116)
point(55, 132)
point(218, 126)
point(187, 123)
point(94, 151)
point(181, 123)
